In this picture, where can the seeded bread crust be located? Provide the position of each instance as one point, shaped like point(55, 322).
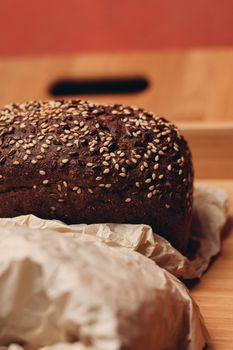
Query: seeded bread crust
point(85, 163)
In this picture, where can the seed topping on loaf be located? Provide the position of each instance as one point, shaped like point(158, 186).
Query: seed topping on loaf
point(114, 145)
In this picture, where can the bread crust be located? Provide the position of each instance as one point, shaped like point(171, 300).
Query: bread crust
point(85, 163)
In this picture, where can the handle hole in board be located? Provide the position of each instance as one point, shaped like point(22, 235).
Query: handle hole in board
point(122, 85)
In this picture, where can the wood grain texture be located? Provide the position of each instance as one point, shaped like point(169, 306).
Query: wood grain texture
point(191, 85)
point(214, 293)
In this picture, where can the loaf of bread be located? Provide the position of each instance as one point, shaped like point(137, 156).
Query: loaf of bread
point(85, 163)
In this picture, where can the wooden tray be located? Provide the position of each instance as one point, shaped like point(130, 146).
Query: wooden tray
point(193, 88)
point(188, 85)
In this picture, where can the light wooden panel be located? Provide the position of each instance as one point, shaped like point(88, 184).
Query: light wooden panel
point(212, 148)
point(191, 85)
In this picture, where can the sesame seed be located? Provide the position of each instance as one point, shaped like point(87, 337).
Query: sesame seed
point(45, 182)
point(117, 167)
point(90, 190)
point(60, 200)
point(151, 188)
point(142, 167)
point(108, 185)
point(58, 148)
point(180, 172)
point(148, 180)
point(64, 161)
point(167, 206)
point(75, 188)
point(101, 185)
point(123, 170)
point(25, 157)
point(89, 164)
point(105, 163)
point(122, 154)
point(128, 200)
point(52, 208)
point(149, 195)
point(122, 174)
point(137, 184)
point(42, 172)
point(16, 162)
point(34, 186)
point(156, 166)
point(106, 171)
point(169, 167)
point(156, 158)
point(161, 176)
point(153, 176)
point(79, 191)
point(98, 178)
point(134, 160)
point(65, 183)
point(33, 161)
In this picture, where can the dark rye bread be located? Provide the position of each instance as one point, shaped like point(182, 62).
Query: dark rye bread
point(86, 163)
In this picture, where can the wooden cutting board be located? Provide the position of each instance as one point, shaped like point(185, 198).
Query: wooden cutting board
point(193, 88)
point(214, 293)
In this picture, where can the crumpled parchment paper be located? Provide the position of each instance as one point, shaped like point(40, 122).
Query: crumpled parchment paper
point(55, 289)
point(86, 287)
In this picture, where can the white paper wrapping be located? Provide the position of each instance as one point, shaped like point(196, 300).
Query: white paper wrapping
point(58, 289)
point(86, 286)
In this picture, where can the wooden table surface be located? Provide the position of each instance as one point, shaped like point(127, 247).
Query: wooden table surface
point(193, 88)
point(214, 293)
